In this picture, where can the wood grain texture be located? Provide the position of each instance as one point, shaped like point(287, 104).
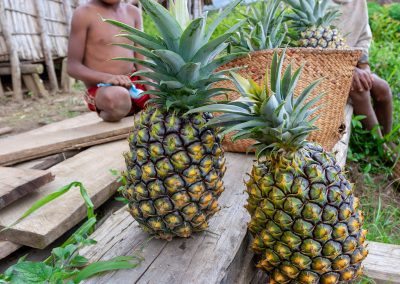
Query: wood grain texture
point(81, 120)
point(90, 167)
point(5, 130)
point(383, 262)
point(207, 257)
point(341, 148)
point(16, 183)
point(25, 147)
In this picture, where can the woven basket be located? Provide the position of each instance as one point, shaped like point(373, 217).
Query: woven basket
point(335, 66)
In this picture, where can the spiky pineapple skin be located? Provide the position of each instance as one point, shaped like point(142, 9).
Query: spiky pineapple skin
point(305, 219)
point(174, 173)
point(322, 37)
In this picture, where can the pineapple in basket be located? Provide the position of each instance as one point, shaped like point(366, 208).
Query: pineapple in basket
point(176, 163)
point(313, 19)
point(305, 219)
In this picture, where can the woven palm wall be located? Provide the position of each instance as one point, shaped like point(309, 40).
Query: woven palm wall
point(22, 19)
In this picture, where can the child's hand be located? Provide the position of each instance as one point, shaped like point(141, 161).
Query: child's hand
point(119, 80)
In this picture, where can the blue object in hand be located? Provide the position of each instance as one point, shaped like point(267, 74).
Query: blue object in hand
point(134, 92)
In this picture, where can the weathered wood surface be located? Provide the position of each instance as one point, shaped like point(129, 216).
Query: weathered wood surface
point(5, 130)
point(8, 247)
point(25, 69)
point(23, 147)
point(16, 183)
point(91, 167)
point(208, 257)
point(383, 262)
point(342, 146)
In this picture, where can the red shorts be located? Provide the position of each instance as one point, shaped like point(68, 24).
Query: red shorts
point(137, 104)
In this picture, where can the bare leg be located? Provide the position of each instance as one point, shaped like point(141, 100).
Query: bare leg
point(113, 102)
point(383, 104)
point(363, 106)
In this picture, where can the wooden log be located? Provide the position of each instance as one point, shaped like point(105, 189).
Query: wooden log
point(91, 167)
point(66, 80)
point(16, 149)
point(25, 69)
point(13, 54)
point(46, 45)
point(39, 85)
point(16, 183)
point(207, 257)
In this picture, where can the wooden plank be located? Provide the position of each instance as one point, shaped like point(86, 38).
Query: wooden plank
point(16, 183)
point(7, 248)
point(6, 130)
point(383, 262)
point(16, 149)
point(47, 162)
point(342, 146)
point(91, 167)
point(207, 257)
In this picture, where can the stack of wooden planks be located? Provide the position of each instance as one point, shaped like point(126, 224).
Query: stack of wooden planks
point(20, 186)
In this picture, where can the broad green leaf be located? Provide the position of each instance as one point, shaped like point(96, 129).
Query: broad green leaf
point(28, 272)
point(166, 24)
point(192, 39)
point(142, 41)
point(172, 59)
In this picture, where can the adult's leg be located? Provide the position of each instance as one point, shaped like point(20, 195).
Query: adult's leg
point(113, 102)
point(383, 103)
point(363, 106)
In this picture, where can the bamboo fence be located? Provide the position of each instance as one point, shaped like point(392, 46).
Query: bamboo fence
point(34, 31)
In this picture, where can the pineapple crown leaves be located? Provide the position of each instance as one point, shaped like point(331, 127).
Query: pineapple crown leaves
point(269, 113)
point(181, 62)
point(308, 13)
point(264, 29)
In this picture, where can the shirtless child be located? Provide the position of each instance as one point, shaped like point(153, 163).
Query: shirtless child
point(89, 54)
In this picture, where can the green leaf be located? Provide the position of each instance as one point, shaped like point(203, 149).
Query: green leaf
point(142, 41)
point(166, 24)
point(210, 68)
point(145, 63)
point(172, 59)
point(190, 72)
point(220, 108)
point(134, 31)
point(108, 265)
point(211, 49)
point(79, 261)
point(192, 39)
point(30, 272)
point(43, 201)
point(211, 29)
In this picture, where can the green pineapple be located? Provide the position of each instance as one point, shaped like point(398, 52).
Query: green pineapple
point(176, 163)
point(264, 28)
point(313, 18)
point(305, 219)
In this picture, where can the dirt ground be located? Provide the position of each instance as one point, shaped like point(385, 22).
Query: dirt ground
point(35, 112)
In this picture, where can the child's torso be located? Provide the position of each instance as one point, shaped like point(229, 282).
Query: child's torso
point(100, 35)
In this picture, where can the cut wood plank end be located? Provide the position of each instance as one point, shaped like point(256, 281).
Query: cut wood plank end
point(16, 183)
point(90, 167)
point(7, 248)
point(6, 130)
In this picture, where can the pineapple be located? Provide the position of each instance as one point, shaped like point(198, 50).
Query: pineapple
point(305, 219)
point(176, 164)
point(313, 19)
point(263, 28)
